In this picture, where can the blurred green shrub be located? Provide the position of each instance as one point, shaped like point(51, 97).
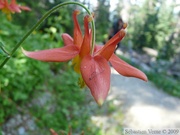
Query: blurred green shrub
point(20, 76)
point(168, 84)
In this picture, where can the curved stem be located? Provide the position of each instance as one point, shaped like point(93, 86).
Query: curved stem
point(93, 36)
point(41, 20)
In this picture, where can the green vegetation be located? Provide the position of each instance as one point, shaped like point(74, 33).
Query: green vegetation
point(165, 83)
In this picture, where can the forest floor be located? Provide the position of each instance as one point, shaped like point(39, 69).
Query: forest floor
point(144, 105)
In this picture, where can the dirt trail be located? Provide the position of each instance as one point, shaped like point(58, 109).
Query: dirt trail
point(144, 105)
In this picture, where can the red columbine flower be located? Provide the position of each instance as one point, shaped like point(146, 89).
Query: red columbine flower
point(93, 67)
point(11, 7)
point(17, 8)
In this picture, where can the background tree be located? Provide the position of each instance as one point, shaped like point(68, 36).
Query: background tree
point(102, 19)
point(144, 21)
point(169, 27)
point(154, 24)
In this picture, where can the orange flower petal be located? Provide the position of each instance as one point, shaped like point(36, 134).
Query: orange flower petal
point(14, 7)
point(96, 74)
point(1, 5)
point(54, 55)
point(25, 8)
point(125, 69)
point(78, 38)
point(110, 46)
point(85, 47)
point(67, 39)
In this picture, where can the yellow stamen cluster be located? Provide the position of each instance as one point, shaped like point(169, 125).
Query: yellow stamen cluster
point(124, 25)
